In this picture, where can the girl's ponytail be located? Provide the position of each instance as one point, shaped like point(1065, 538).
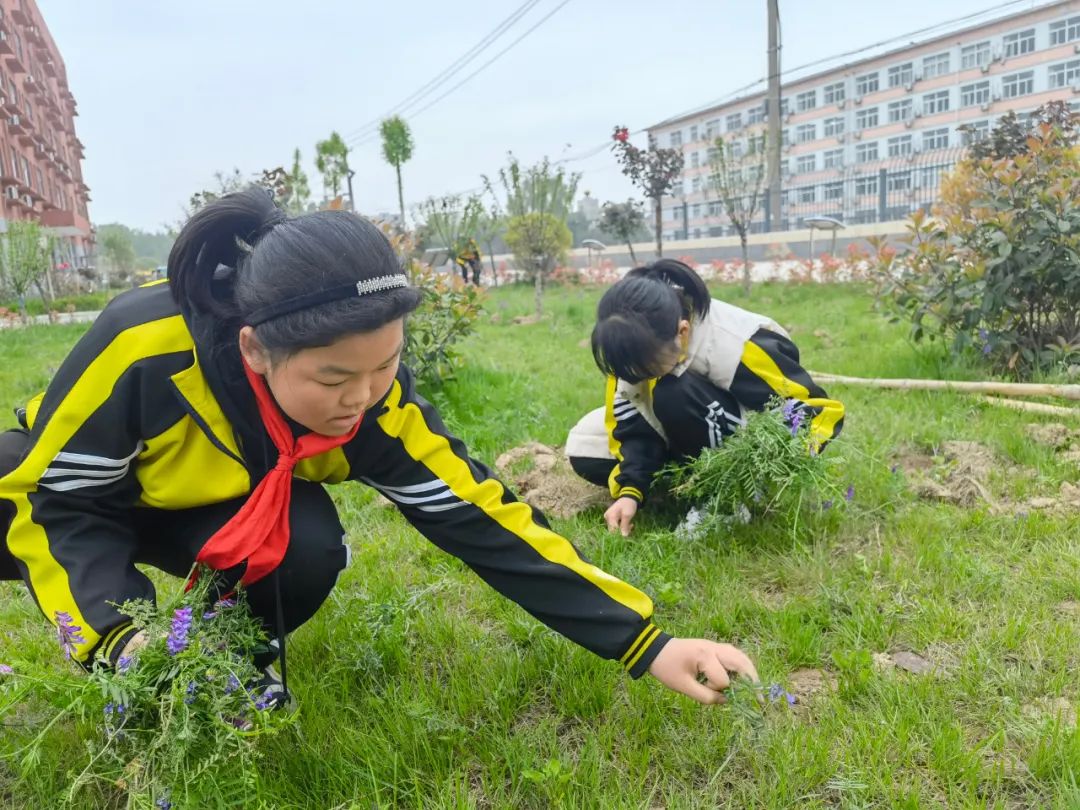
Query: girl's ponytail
point(219, 233)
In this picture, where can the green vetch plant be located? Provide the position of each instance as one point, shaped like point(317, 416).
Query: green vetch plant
point(162, 726)
point(767, 467)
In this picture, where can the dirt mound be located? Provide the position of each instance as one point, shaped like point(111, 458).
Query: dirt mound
point(961, 473)
point(541, 476)
point(1053, 434)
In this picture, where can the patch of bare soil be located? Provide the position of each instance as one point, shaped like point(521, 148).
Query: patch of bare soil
point(541, 476)
point(960, 473)
point(806, 684)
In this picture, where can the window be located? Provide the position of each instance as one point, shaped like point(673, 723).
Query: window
point(898, 181)
point(693, 133)
point(977, 93)
point(900, 75)
point(866, 84)
point(676, 139)
point(695, 185)
point(695, 160)
point(933, 103)
point(834, 191)
point(806, 194)
point(712, 129)
point(806, 101)
point(866, 216)
point(935, 139)
point(973, 56)
point(834, 126)
point(899, 146)
point(1019, 43)
point(974, 132)
point(733, 122)
point(676, 214)
point(865, 186)
point(937, 65)
point(866, 119)
point(900, 111)
point(1064, 31)
point(755, 115)
point(695, 210)
point(806, 163)
point(834, 93)
point(834, 159)
point(26, 170)
point(1064, 73)
point(866, 152)
point(805, 133)
point(1018, 84)
point(784, 166)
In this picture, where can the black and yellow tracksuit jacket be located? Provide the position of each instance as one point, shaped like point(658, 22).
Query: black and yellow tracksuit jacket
point(151, 409)
point(746, 354)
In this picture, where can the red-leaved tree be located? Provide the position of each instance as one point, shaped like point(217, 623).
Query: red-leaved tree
point(653, 170)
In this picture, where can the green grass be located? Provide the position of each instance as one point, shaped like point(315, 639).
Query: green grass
point(420, 687)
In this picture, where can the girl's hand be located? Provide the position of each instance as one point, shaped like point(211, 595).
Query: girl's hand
point(701, 669)
point(619, 515)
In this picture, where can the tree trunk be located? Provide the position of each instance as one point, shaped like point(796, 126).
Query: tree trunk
point(540, 288)
point(659, 220)
point(400, 196)
point(975, 387)
point(745, 264)
point(491, 260)
point(633, 258)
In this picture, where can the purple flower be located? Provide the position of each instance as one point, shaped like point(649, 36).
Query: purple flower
point(775, 691)
point(232, 685)
point(208, 615)
point(191, 689)
point(987, 348)
point(790, 698)
point(894, 468)
point(266, 700)
point(850, 494)
point(178, 637)
point(984, 335)
point(224, 604)
point(67, 633)
point(826, 505)
point(124, 663)
point(163, 804)
point(5, 669)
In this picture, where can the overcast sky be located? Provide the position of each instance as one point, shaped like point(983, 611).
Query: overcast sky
point(170, 92)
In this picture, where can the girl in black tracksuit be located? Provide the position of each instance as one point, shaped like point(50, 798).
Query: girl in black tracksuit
point(200, 418)
point(683, 369)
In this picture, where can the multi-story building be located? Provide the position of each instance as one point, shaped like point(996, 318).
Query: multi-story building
point(40, 154)
point(869, 141)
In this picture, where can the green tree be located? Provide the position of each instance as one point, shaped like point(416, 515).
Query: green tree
point(332, 161)
point(538, 241)
point(624, 221)
point(489, 227)
point(449, 221)
point(299, 192)
point(26, 252)
point(737, 176)
point(120, 253)
point(397, 147)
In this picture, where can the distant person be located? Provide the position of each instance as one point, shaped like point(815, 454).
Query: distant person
point(683, 369)
point(468, 258)
point(199, 419)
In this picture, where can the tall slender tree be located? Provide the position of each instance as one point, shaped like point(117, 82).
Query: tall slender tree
point(737, 176)
point(332, 161)
point(299, 191)
point(397, 147)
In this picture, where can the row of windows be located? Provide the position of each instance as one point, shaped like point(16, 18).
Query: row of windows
point(975, 55)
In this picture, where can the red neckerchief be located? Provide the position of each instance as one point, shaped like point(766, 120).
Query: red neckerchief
point(259, 532)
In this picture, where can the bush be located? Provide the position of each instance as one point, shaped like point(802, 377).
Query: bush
point(446, 316)
point(996, 269)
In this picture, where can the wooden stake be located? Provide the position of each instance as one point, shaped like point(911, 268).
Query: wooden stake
point(1013, 389)
point(1033, 407)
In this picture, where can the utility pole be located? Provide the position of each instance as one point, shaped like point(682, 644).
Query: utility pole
point(775, 139)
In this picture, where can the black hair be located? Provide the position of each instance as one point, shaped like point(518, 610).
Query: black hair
point(241, 253)
point(638, 318)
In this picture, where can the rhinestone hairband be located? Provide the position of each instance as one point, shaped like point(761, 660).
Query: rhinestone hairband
point(340, 293)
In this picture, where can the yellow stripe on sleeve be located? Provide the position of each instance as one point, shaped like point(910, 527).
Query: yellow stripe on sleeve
point(405, 421)
point(823, 426)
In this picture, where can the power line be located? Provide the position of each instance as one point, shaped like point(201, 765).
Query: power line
point(362, 140)
point(451, 70)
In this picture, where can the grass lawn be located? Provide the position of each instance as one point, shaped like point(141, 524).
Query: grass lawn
point(419, 687)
